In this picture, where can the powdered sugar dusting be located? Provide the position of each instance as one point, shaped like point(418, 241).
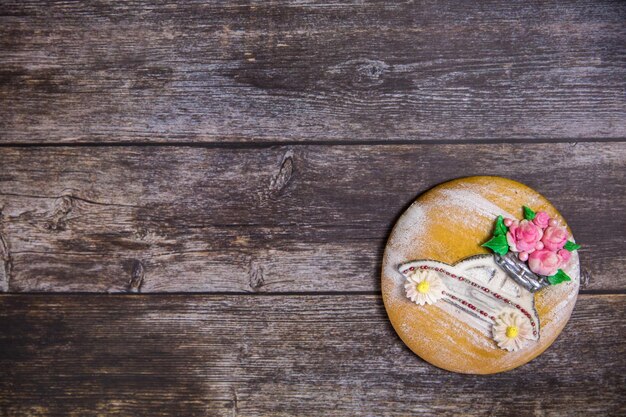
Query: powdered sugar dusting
point(468, 206)
point(473, 201)
point(413, 219)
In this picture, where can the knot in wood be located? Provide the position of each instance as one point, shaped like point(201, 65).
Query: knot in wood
point(62, 207)
point(371, 70)
point(5, 264)
point(362, 73)
point(136, 276)
point(256, 276)
point(282, 178)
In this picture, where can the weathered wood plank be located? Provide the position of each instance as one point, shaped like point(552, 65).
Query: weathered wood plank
point(300, 218)
point(276, 355)
point(298, 71)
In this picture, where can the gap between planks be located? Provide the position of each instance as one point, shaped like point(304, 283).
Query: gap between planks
point(230, 144)
point(586, 293)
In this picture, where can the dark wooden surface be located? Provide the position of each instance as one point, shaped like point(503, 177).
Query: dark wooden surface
point(258, 71)
point(278, 219)
point(232, 171)
point(254, 355)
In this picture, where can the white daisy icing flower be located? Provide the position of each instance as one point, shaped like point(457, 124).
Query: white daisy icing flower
point(424, 287)
point(511, 330)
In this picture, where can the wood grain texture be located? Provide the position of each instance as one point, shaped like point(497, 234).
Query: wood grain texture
point(166, 71)
point(280, 355)
point(296, 218)
point(235, 215)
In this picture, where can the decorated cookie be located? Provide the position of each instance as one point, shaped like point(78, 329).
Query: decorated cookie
point(480, 275)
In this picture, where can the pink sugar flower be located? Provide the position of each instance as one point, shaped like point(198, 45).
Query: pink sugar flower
point(541, 219)
point(544, 262)
point(523, 236)
point(554, 238)
point(565, 255)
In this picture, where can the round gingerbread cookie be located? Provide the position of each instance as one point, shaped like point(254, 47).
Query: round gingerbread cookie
point(480, 275)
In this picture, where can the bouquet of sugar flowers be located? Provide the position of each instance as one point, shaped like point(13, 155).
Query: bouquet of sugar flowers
point(538, 243)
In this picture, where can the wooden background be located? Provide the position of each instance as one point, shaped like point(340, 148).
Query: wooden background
point(195, 197)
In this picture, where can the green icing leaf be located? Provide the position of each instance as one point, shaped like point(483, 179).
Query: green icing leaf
point(529, 214)
point(500, 228)
point(559, 277)
point(571, 246)
point(498, 244)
